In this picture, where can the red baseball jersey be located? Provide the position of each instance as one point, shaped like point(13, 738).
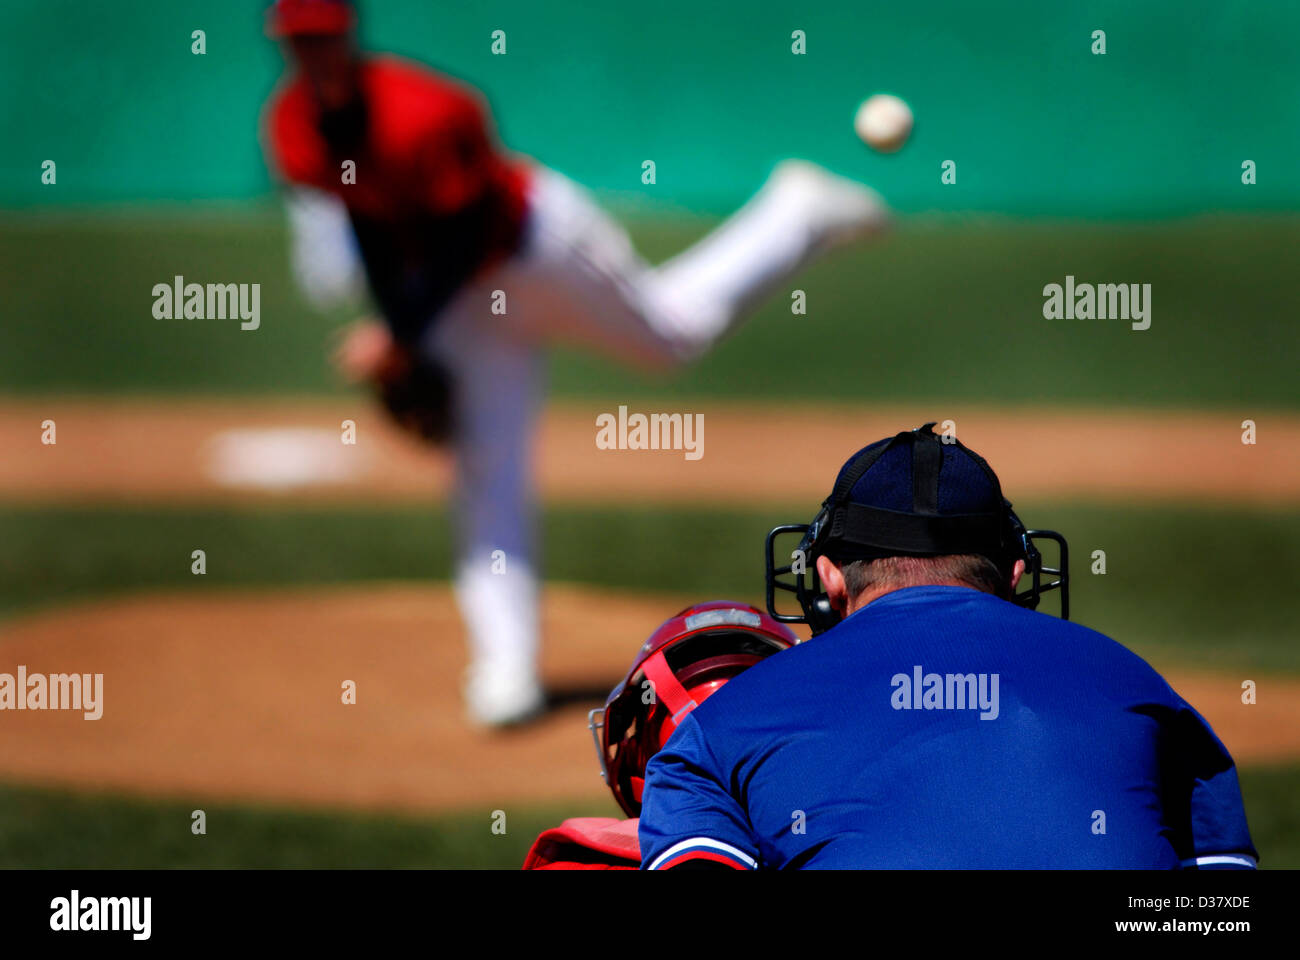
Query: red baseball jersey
point(435, 199)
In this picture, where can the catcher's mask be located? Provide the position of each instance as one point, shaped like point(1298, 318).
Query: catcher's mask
point(686, 660)
point(915, 494)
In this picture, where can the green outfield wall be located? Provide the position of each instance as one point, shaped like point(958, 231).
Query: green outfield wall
point(1012, 93)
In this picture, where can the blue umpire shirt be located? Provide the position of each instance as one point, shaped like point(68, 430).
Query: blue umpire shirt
point(943, 727)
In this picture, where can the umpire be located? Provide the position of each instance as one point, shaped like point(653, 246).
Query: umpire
point(936, 719)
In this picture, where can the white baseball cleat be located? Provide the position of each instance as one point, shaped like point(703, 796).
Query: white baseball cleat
point(498, 698)
point(838, 210)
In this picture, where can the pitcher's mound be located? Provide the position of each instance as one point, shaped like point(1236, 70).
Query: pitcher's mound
point(238, 696)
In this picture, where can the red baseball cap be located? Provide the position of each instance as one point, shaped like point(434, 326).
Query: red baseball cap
point(286, 18)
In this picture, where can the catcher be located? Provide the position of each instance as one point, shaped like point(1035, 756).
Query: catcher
point(686, 660)
point(476, 260)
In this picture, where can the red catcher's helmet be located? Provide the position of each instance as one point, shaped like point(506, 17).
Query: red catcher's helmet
point(688, 658)
point(285, 18)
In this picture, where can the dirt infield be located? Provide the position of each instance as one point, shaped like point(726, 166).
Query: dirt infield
point(236, 696)
point(206, 450)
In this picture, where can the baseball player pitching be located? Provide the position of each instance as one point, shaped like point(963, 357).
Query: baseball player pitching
point(935, 719)
point(476, 260)
point(685, 661)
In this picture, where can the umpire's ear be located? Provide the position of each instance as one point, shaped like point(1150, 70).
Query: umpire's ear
point(1017, 572)
point(833, 583)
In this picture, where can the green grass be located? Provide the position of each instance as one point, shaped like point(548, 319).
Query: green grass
point(1183, 585)
point(945, 310)
point(56, 829)
point(1273, 814)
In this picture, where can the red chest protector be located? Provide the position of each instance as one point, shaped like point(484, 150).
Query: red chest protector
point(586, 843)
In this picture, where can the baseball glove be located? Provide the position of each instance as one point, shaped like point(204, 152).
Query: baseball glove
point(419, 398)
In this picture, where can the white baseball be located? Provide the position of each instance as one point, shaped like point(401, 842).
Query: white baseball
point(884, 122)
